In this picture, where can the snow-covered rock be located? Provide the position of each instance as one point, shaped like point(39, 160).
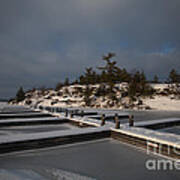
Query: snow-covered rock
point(166, 97)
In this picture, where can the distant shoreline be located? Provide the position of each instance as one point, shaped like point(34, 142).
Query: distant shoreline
point(3, 100)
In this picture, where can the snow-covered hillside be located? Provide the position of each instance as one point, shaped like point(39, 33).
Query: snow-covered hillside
point(166, 97)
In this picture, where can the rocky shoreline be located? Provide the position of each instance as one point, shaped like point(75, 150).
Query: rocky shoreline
point(165, 97)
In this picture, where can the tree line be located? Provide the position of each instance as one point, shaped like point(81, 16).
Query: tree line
point(111, 74)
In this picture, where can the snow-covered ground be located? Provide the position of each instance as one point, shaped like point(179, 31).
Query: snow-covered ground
point(163, 103)
point(166, 98)
point(3, 105)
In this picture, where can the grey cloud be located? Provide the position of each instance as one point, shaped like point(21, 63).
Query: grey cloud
point(43, 41)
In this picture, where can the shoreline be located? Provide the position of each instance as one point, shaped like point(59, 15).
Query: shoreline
point(104, 109)
point(165, 98)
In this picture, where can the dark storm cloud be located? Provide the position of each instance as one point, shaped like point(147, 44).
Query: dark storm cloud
point(43, 41)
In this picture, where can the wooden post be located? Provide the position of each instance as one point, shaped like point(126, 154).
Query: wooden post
point(76, 111)
point(116, 119)
point(131, 120)
point(66, 113)
point(103, 120)
point(71, 114)
point(82, 113)
point(49, 109)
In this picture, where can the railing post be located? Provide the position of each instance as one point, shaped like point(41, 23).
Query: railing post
point(82, 113)
point(103, 120)
point(117, 122)
point(66, 113)
point(71, 114)
point(131, 120)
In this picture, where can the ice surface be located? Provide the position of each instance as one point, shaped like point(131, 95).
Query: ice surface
point(21, 174)
point(153, 122)
point(27, 174)
point(31, 119)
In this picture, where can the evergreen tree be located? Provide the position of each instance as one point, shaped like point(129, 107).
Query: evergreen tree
point(109, 70)
point(156, 79)
point(87, 93)
point(82, 80)
point(103, 77)
point(123, 75)
point(66, 82)
point(138, 85)
point(173, 76)
point(20, 96)
point(89, 77)
point(75, 82)
point(58, 86)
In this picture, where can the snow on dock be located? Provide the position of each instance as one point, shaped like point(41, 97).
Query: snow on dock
point(159, 123)
point(137, 135)
point(150, 135)
point(49, 135)
point(11, 122)
point(19, 112)
point(21, 142)
point(24, 115)
point(110, 116)
point(89, 121)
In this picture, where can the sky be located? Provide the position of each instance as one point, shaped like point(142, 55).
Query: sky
point(44, 41)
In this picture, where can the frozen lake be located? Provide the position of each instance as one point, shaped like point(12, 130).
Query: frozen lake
point(174, 130)
point(35, 128)
point(138, 115)
point(5, 107)
point(103, 160)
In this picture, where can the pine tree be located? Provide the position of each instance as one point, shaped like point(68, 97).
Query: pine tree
point(58, 86)
point(103, 77)
point(138, 85)
point(87, 93)
point(66, 82)
point(20, 96)
point(123, 75)
point(82, 80)
point(156, 79)
point(89, 76)
point(173, 76)
point(109, 70)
